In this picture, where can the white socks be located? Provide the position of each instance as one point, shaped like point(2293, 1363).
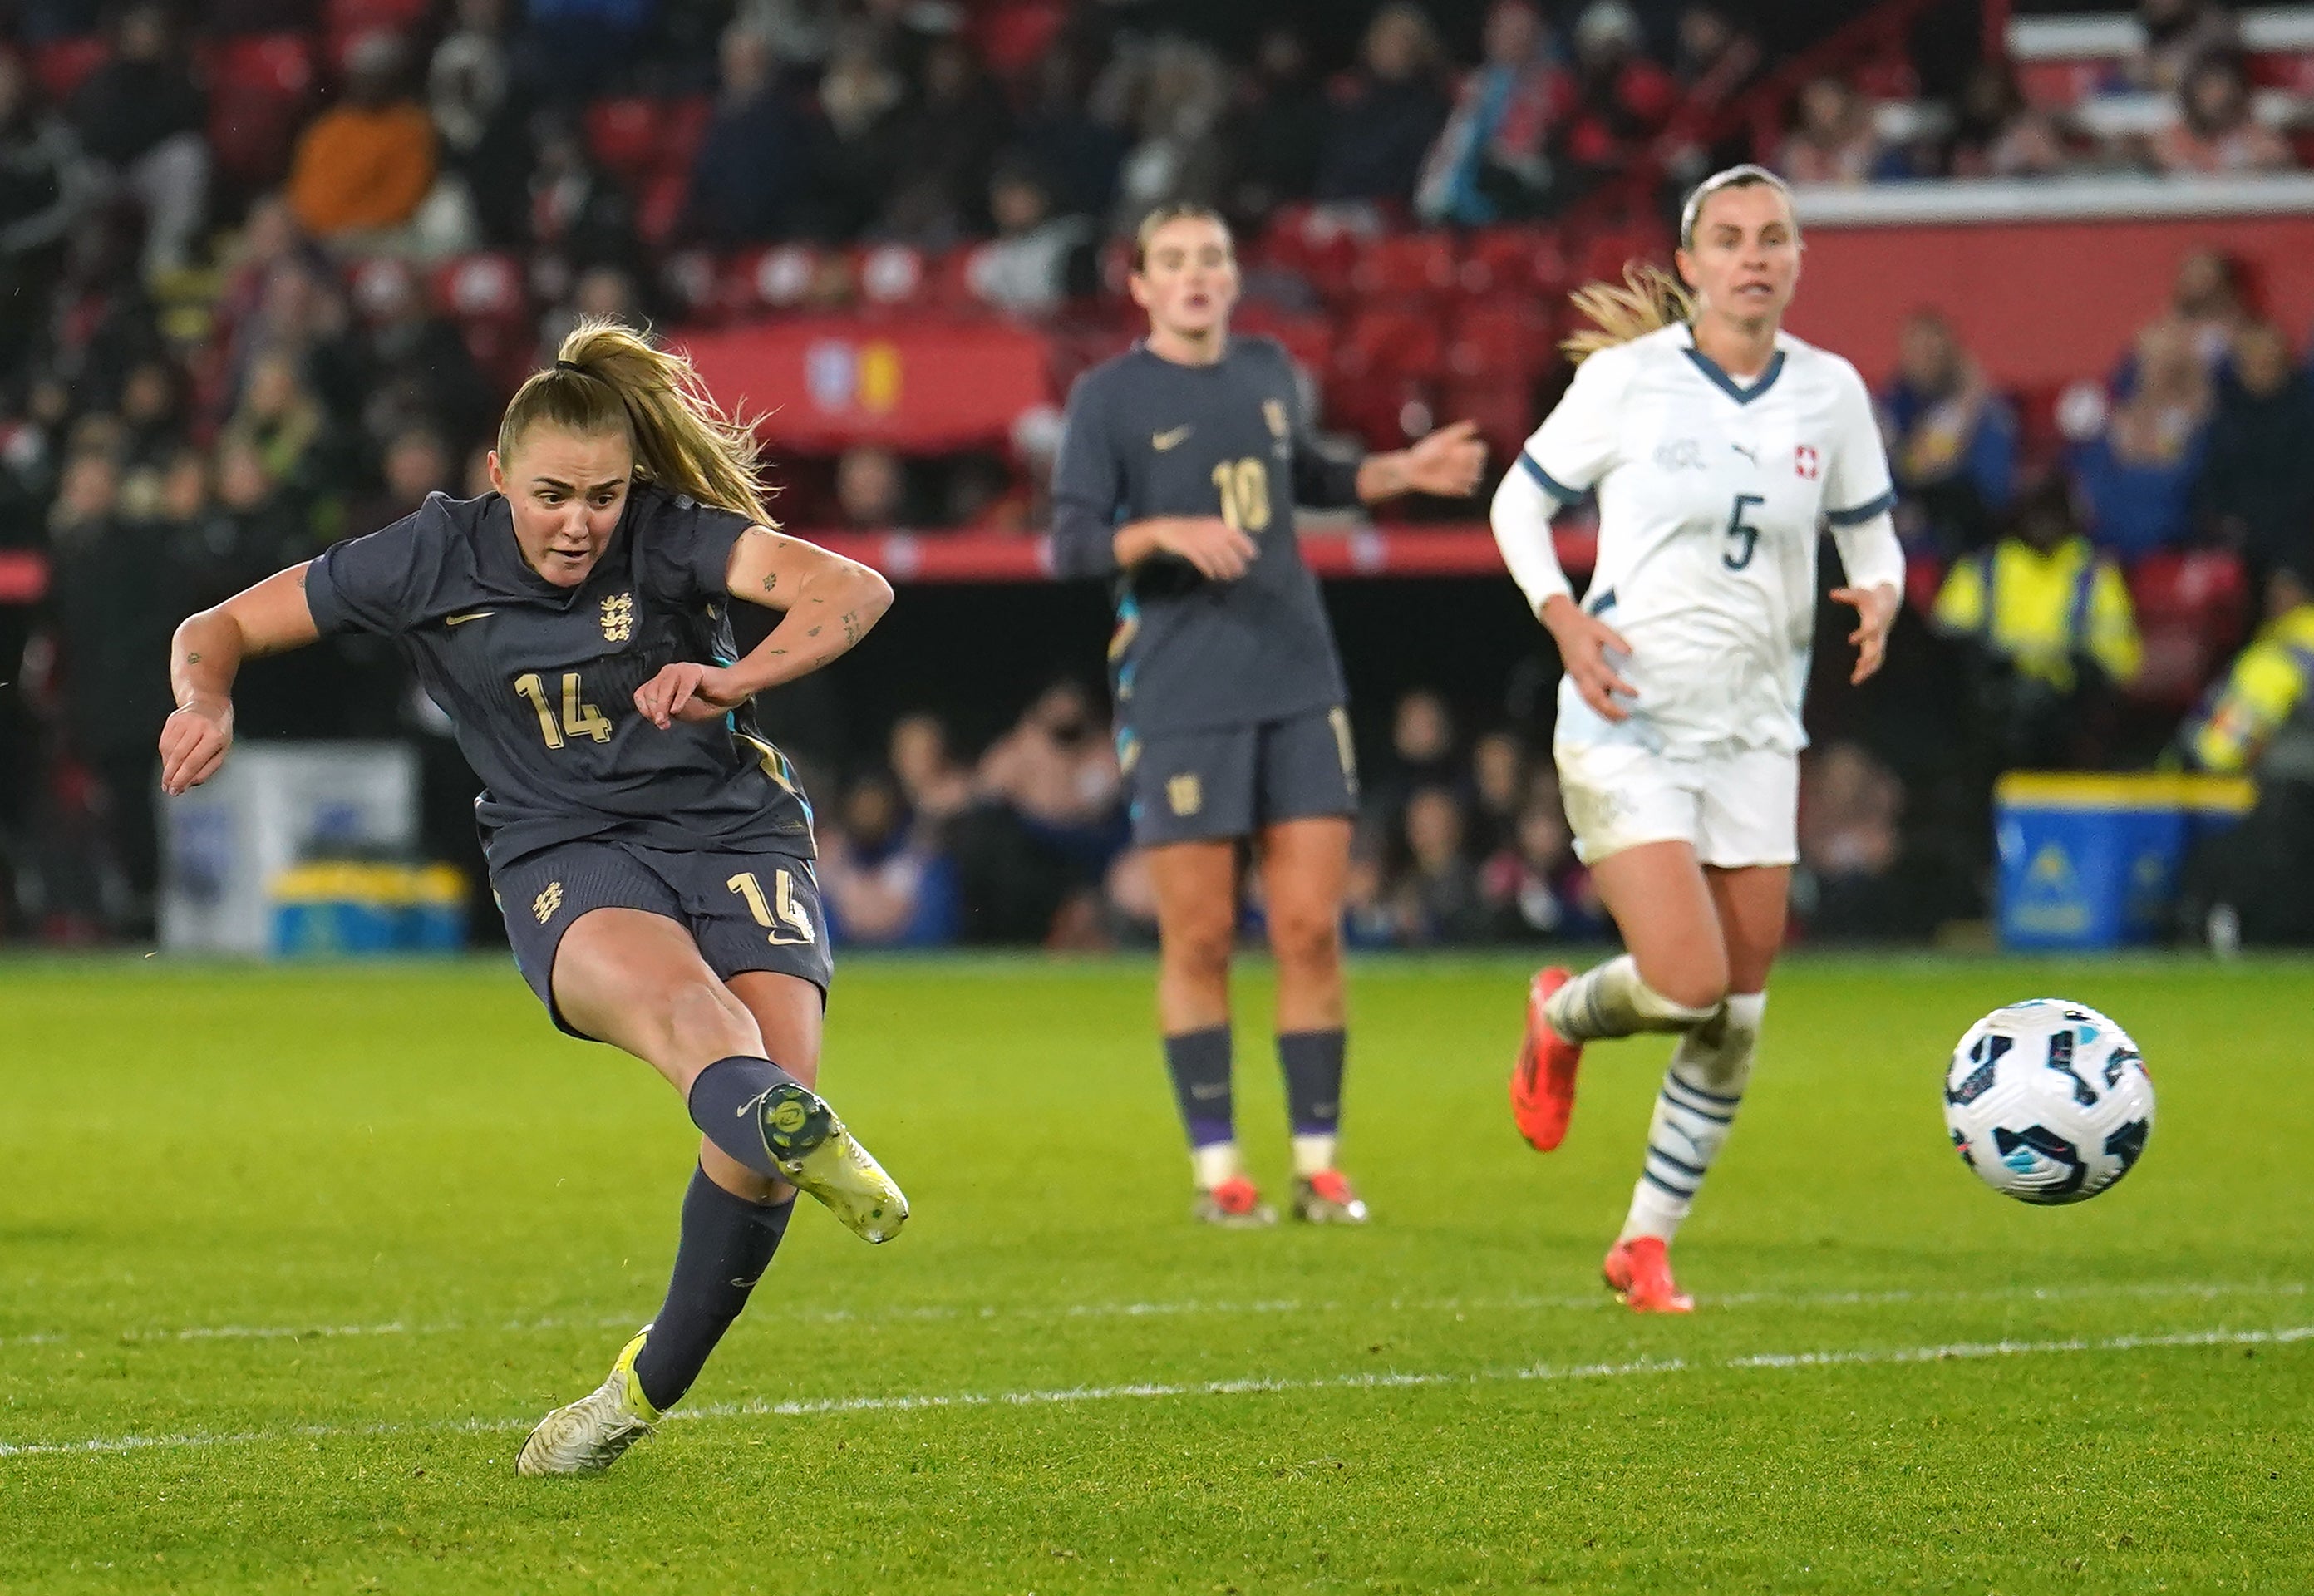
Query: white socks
point(1694, 1112)
point(1214, 1163)
point(1610, 1000)
point(1313, 1154)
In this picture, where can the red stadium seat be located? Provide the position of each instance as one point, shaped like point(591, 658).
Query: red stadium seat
point(1390, 340)
point(1310, 339)
point(1318, 243)
point(260, 88)
point(1385, 410)
point(1502, 409)
point(1512, 260)
point(778, 278)
point(484, 286)
point(623, 135)
point(660, 212)
point(1507, 338)
point(1012, 36)
point(62, 65)
point(1406, 266)
point(2193, 611)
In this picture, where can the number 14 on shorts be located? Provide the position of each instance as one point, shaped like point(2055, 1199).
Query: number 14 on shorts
point(781, 914)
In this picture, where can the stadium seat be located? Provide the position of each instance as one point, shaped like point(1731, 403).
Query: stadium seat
point(1405, 266)
point(2193, 611)
point(1391, 339)
point(1383, 409)
point(1309, 340)
point(62, 65)
point(260, 88)
point(660, 210)
point(689, 281)
point(1505, 338)
point(1012, 36)
point(777, 278)
point(1503, 408)
point(1510, 260)
point(624, 136)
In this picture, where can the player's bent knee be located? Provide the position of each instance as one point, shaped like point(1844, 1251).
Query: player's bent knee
point(1200, 949)
point(1306, 940)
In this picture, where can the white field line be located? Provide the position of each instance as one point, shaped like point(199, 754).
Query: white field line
point(1256, 1385)
point(764, 1311)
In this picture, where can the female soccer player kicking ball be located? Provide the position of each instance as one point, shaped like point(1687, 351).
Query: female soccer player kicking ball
point(1180, 467)
point(1718, 445)
point(651, 853)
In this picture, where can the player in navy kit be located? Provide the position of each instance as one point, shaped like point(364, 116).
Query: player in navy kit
point(651, 853)
point(1180, 467)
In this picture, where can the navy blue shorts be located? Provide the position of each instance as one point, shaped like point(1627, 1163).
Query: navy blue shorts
point(1229, 782)
point(746, 911)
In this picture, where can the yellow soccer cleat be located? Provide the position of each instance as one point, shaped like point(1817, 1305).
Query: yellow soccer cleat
point(820, 1157)
point(589, 1435)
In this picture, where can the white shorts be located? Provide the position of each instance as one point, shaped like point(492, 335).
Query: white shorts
point(1735, 809)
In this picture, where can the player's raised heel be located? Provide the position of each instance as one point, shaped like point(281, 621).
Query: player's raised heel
point(590, 1434)
point(1639, 1271)
point(814, 1150)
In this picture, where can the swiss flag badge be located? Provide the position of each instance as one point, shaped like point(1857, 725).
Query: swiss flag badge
point(1804, 462)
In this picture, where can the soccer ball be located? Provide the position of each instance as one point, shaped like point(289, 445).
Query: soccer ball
point(2048, 1101)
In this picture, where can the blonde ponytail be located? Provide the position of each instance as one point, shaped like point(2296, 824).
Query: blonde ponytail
point(1648, 298)
point(606, 377)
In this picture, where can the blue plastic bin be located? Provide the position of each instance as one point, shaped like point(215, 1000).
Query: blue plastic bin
point(2091, 862)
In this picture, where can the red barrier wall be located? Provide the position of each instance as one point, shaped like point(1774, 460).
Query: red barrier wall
point(2039, 304)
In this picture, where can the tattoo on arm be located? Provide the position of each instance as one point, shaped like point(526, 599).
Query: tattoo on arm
point(850, 628)
point(192, 659)
point(814, 632)
point(770, 582)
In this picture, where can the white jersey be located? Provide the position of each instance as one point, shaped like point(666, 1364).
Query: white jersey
point(1712, 495)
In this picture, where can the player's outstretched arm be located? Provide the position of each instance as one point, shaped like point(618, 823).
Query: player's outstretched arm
point(830, 602)
point(1448, 463)
point(205, 657)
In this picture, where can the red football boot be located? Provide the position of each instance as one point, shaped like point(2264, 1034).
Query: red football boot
point(1235, 1204)
point(1639, 1271)
point(1542, 1085)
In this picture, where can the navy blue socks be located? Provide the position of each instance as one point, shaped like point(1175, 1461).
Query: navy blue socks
point(1200, 1061)
point(1313, 1062)
point(727, 1242)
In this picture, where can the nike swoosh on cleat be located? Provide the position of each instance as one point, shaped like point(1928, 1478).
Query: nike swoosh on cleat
point(469, 615)
point(753, 1105)
point(1162, 441)
point(1206, 1094)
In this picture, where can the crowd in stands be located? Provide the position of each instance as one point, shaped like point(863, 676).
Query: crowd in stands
point(269, 267)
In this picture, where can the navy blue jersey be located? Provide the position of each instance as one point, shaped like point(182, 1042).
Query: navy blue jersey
point(539, 681)
point(1145, 437)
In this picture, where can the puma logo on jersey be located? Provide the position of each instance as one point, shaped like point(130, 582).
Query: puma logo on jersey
point(469, 615)
point(1748, 451)
point(1162, 441)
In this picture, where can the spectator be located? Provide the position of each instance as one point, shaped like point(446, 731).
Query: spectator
point(2217, 130)
point(422, 374)
point(2137, 474)
point(1834, 141)
point(1492, 161)
point(1533, 887)
point(1622, 100)
point(113, 608)
point(602, 293)
point(280, 420)
point(414, 465)
point(1437, 898)
point(863, 98)
point(2049, 629)
point(871, 488)
point(1059, 134)
point(252, 530)
point(153, 427)
point(1055, 771)
point(885, 886)
point(1996, 133)
point(141, 116)
point(1177, 156)
point(1031, 854)
point(46, 186)
point(364, 167)
point(576, 46)
point(1038, 258)
point(2178, 34)
point(579, 218)
point(306, 312)
point(1952, 442)
point(2207, 304)
point(937, 789)
point(1849, 843)
point(948, 147)
point(1499, 784)
point(479, 119)
point(1713, 61)
point(2257, 477)
point(1386, 118)
point(2248, 883)
point(1278, 129)
point(1421, 755)
point(755, 171)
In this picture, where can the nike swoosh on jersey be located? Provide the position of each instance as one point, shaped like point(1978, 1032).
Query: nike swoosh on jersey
point(1162, 441)
point(469, 615)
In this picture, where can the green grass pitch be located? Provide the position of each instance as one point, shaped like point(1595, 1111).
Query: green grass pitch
point(291, 1259)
